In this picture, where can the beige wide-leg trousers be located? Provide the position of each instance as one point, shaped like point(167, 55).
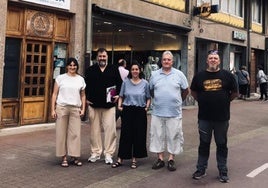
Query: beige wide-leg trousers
point(68, 131)
point(102, 118)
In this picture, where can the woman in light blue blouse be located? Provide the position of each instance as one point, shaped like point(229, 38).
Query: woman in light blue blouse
point(134, 101)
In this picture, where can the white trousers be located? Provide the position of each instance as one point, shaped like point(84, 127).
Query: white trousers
point(166, 132)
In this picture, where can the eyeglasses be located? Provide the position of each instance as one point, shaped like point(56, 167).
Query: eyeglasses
point(213, 52)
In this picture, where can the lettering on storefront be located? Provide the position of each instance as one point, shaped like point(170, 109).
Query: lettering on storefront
point(63, 4)
point(237, 35)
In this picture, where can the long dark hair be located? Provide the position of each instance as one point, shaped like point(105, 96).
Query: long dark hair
point(135, 62)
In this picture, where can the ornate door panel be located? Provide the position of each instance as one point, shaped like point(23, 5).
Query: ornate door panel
point(35, 82)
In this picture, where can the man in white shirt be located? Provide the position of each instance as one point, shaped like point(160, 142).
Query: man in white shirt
point(123, 73)
point(122, 68)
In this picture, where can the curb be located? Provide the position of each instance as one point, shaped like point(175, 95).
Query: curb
point(26, 129)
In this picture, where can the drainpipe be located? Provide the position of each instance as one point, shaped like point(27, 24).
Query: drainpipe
point(248, 54)
point(88, 35)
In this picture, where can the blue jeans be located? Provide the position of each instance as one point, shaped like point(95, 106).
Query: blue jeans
point(219, 128)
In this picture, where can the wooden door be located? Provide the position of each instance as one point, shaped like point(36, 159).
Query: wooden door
point(35, 82)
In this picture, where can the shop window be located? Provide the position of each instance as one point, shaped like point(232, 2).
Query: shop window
point(11, 68)
point(133, 42)
point(60, 55)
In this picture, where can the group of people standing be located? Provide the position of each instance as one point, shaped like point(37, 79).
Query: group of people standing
point(167, 87)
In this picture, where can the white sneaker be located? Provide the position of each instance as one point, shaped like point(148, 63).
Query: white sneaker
point(108, 160)
point(93, 158)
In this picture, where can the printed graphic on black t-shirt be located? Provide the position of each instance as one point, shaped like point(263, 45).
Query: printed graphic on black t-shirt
point(212, 85)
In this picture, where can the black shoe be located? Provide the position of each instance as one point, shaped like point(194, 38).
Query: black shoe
point(223, 177)
point(199, 174)
point(158, 164)
point(171, 165)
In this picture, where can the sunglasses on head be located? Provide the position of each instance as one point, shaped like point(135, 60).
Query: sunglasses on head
point(213, 52)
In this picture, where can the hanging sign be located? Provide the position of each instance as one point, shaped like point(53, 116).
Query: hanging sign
point(205, 10)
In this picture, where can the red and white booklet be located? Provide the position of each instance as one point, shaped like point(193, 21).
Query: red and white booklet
point(110, 93)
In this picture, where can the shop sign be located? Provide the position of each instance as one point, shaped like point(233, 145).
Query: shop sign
point(237, 35)
point(62, 4)
point(205, 10)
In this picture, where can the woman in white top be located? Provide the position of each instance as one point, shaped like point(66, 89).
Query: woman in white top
point(68, 105)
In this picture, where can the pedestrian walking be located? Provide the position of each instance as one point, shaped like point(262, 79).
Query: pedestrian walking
point(214, 89)
point(103, 86)
point(169, 87)
point(262, 81)
point(134, 101)
point(243, 82)
point(67, 106)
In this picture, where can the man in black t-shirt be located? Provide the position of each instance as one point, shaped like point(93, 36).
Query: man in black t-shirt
point(213, 89)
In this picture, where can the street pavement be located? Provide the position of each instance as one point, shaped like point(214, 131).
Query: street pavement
point(27, 157)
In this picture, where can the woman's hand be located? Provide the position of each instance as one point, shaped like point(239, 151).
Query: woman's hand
point(53, 114)
point(81, 113)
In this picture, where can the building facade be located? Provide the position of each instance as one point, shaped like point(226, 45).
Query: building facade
point(37, 36)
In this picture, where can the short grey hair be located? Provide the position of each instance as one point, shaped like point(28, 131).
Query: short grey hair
point(167, 52)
